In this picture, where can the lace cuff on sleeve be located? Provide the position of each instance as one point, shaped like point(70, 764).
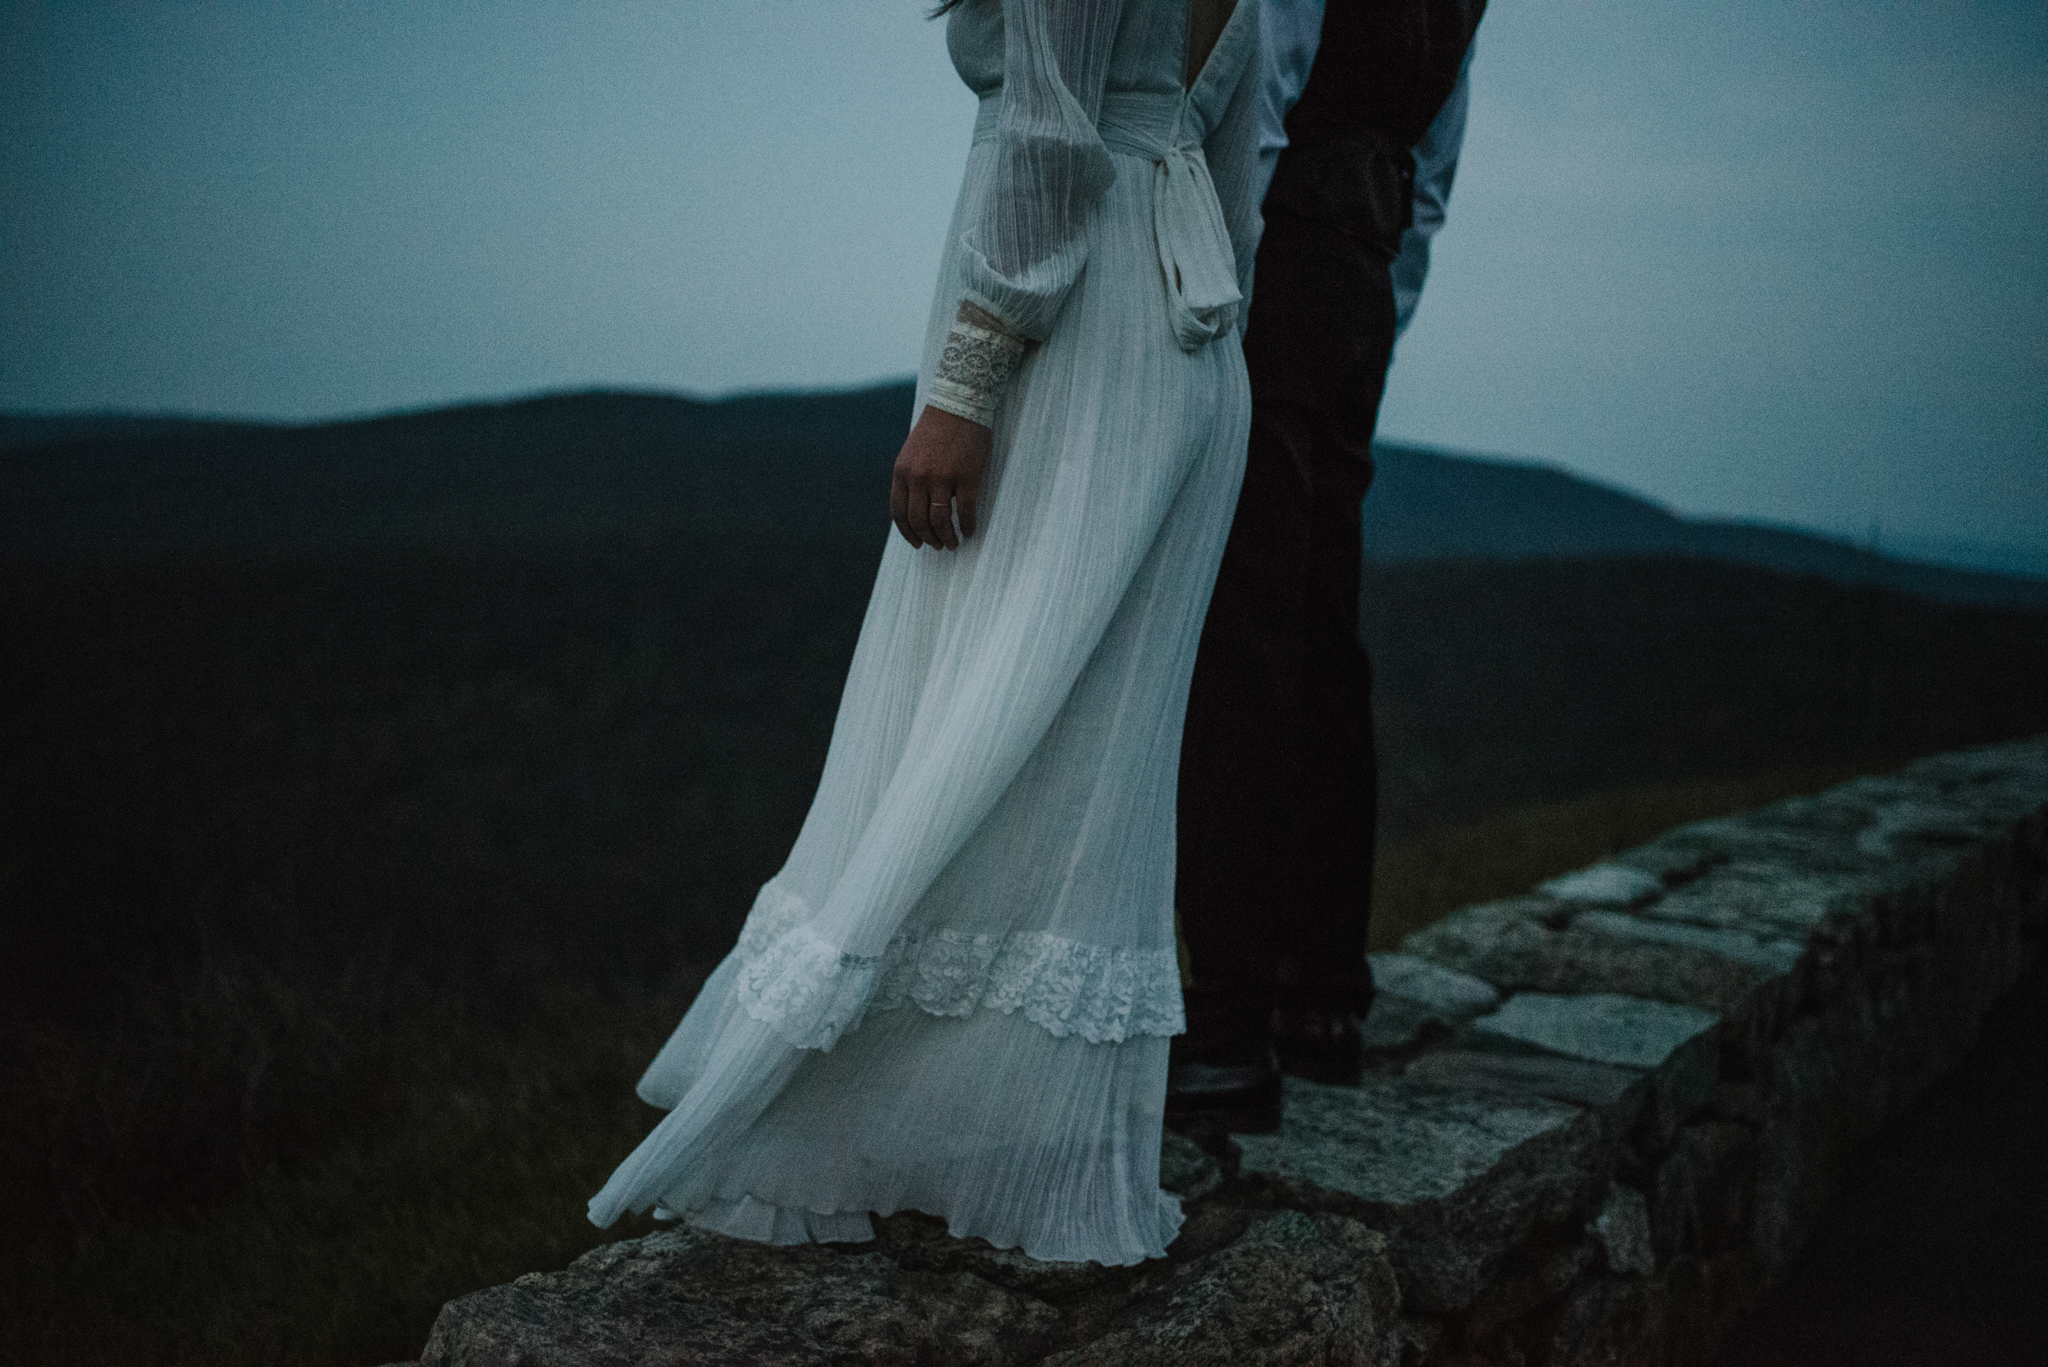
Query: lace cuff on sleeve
point(980, 356)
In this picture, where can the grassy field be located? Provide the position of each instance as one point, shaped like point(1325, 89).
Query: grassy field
point(346, 897)
point(461, 1138)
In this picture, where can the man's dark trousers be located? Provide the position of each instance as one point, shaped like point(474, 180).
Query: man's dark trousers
point(1278, 781)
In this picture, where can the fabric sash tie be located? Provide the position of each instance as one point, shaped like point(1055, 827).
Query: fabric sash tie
point(1197, 264)
point(1195, 258)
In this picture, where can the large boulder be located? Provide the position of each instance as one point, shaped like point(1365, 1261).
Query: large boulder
point(1453, 1178)
point(1295, 1290)
point(686, 1297)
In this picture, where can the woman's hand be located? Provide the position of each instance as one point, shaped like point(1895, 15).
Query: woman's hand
point(942, 462)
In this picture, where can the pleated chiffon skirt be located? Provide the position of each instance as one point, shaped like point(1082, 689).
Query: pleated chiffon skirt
point(956, 995)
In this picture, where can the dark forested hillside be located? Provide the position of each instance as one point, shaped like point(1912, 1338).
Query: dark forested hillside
point(609, 468)
point(1501, 683)
point(575, 469)
point(1435, 505)
point(570, 663)
point(505, 753)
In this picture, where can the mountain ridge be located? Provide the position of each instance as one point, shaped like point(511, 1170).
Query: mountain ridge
point(631, 465)
point(1430, 504)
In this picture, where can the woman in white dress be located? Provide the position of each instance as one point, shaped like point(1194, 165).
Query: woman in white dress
point(956, 995)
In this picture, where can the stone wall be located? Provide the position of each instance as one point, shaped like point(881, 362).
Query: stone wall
point(1602, 1119)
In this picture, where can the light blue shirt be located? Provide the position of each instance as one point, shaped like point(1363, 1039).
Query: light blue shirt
point(1293, 28)
point(1436, 163)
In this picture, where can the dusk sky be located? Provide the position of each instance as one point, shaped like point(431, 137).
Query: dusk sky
point(1782, 260)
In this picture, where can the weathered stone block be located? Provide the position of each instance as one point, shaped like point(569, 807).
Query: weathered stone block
point(1616, 1095)
point(1453, 1178)
point(1296, 1290)
point(1412, 1342)
point(1526, 1278)
point(1821, 1087)
point(1675, 1046)
point(1771, 954)
point(1785, 835)
point(1622, 1231)
point(1449, 995)
point(688, 1297)
point(1396, 1025)
point(1673, 863)
point(1704, 1191)
point(1602, 1027)
point(1740, 1102)
point(1611, 1321)
point(1765, 900)
point(1772, 973)
point(1704, 1299)
point(1907, 1010)
point(1538, 945)
point(1605, 885)
point(1210, 1225)
point(1925, 831)
point(917, 1242)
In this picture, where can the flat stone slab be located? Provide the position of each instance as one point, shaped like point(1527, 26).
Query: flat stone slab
point(1443, 992)
point(1674, 1046)
point(1415, 1002)
point(1763, 900)
point(1617, 1094)
point(1537, 944)
point(1604, 885)
point(1453, 1177)
point(1396, 1025)
point(1770, 953)
point(1601, 1027)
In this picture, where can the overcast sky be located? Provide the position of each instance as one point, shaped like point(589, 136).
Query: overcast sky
point(1772, 259)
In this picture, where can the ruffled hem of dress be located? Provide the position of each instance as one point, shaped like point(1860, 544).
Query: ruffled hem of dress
point(812, 993)
point(765, 1223)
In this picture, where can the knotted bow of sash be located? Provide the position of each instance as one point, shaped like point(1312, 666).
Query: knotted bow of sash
point(1196, 261)
point(1195, 256)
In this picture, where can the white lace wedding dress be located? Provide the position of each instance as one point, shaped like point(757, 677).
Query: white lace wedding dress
point(956, 995)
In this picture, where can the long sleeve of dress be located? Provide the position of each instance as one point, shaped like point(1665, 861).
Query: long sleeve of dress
point(1027, 242)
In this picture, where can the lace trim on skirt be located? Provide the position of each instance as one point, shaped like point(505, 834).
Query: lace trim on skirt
point(811, 993)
